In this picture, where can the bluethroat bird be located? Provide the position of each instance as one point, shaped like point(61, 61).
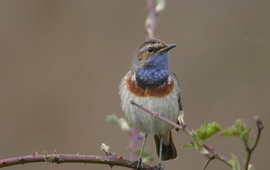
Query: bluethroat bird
point(151, 83)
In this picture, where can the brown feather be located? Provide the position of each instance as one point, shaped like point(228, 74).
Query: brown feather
point(162, 91)
point(168, 152)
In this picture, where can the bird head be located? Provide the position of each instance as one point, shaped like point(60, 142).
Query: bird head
point(150, 63)
point(152, 53)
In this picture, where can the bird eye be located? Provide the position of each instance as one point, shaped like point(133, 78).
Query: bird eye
point(150, 50)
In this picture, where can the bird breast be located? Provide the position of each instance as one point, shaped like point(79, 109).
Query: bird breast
point(162, 100)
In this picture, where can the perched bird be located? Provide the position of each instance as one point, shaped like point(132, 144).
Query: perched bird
point(151, 83)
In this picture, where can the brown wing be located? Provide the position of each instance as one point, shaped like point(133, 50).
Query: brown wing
point(177, 83)
point(179, 97)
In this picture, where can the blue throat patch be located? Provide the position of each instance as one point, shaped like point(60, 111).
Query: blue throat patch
point(155, 72)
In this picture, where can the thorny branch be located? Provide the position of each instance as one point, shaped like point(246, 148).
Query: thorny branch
point(111, 159)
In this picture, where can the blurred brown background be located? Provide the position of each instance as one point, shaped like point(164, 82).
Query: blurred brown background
point(61, 63)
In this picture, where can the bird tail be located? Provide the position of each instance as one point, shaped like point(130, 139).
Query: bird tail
point(168, 151)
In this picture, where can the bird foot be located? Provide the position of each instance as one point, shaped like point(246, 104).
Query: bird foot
point(158, 167)
point(138, 163)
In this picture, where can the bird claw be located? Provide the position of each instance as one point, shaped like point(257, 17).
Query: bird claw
point(138, 163)
point(158, 167)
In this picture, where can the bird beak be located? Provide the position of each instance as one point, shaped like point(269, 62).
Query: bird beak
point(167, 48)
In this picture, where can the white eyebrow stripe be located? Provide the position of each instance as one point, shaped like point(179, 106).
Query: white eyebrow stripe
point(157, 45)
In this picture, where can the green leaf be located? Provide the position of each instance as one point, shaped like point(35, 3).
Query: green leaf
point(191, 145)
point(200, 135)
point(235, 130)
point(197, 143)
point(208, 130)
point(240, 130)
point(121, 122)
point(235, 163)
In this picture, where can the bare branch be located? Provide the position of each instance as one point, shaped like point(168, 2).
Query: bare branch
point(207, 162)
point(213, 153)
point(156, 115)
point(151, 20)
point(249, 151)
point(132, 144)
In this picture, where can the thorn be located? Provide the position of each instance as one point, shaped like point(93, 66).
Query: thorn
point(33, 153)
point(77, 153)
point(121, 157)
point(111, 166)
point(21, 159)
point(36, 153)
point(54, 152)
point(4, 162)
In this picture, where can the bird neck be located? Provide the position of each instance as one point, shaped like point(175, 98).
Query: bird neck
point(154, 73)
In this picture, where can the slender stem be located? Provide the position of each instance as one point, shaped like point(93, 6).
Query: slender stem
point(249, 151)
point(151, 20)
point(216, 155)
point(182, 127)
point(132, 144)
point(207, 162)
point(150, 23)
